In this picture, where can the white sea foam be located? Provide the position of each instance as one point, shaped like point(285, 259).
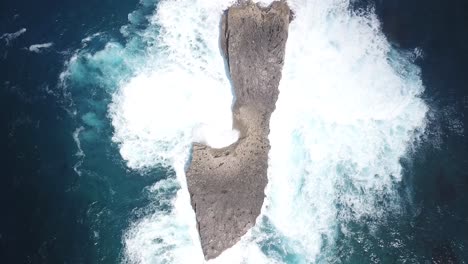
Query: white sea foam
point(91, 37)
point(347, 112)
point(185, 94)
point(9, 37)
point(168, 235)
point(38, 48)
point(79, 153)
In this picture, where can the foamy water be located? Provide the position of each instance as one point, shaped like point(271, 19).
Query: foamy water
point(348, 111)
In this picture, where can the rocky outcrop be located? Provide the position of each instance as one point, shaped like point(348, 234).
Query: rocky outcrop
point(227, 185)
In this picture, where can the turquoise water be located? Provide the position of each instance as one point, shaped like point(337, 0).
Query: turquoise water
point(368, 153)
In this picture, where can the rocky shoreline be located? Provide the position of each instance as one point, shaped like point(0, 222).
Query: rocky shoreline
point(227, 185)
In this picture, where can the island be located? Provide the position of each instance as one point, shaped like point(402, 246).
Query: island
point(227, 185)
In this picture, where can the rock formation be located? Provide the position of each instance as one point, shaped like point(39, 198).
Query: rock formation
point(227, 185)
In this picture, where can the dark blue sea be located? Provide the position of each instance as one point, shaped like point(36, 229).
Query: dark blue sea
point(100, 101)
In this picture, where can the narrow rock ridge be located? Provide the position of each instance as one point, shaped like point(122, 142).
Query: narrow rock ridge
point(227, 185)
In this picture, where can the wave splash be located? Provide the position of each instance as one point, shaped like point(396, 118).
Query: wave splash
point(183, 95)
point(348, 111)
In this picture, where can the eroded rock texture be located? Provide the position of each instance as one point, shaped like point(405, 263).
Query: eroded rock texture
point(227, 185)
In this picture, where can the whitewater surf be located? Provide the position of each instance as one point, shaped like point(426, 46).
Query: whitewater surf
point(349, 110)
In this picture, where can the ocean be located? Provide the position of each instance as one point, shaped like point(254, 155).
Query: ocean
point(101, 100)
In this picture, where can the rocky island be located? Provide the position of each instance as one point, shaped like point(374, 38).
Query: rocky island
point(227, 185)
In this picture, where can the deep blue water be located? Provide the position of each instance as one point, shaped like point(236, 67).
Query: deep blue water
point(48, 211)
point(51, 214)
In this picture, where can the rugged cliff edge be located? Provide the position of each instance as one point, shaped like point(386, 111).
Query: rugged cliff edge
point(227, 185)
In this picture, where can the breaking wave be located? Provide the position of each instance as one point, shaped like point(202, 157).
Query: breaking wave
point(349, 110)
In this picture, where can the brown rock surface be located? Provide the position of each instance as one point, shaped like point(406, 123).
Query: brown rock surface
point(227, 185)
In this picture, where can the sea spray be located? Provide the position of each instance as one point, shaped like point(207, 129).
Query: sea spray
point(183, 96)
point(348, 109)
